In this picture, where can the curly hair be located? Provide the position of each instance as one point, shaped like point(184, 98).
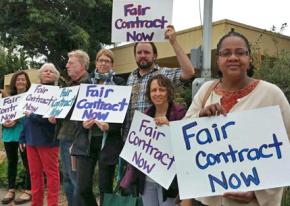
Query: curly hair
point(164, 82)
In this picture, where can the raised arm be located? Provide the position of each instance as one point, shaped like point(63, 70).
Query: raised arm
point(186, 67)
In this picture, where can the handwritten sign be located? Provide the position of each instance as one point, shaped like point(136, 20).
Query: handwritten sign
point(148, 148)
point(107, 103)
point(239, 152)
point(38, 98)
point(137, 21)
point(65, 99)
point(8, 107)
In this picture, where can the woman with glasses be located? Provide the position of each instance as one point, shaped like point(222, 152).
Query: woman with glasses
point(237, 90)
point(97, 141)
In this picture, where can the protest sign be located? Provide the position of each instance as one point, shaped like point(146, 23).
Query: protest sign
point(65, 99)
point(8, 107)
point(148, 148)
point(38, 99)
point(140, 21)
point(106, 103)
point(243, 151)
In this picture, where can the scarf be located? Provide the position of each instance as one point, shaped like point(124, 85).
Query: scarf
point(106, 77)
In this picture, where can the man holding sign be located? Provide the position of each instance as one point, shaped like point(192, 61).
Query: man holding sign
point(77, 66)
point(140, 21)
point(145, 56)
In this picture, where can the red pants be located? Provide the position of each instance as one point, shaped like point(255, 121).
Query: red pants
point(43, 160)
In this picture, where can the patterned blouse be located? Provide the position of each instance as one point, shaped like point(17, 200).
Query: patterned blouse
point(230, 98)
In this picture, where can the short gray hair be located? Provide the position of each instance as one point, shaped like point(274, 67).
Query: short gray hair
point(82, 56)
point(51, 66)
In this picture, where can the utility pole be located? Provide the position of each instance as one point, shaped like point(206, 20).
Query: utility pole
point(203, 52)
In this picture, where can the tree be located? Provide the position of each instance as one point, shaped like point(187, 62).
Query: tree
point(12, 60)
point(52, 28)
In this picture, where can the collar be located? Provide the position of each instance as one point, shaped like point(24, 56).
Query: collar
point(80, 80)
point(153, 69)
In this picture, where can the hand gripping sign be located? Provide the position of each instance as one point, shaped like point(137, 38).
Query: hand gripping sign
point(107, 103)
point(148, 148)
point(239, 152)
point(140, 21)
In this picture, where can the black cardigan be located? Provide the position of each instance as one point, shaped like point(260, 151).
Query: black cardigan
point(174, 112)
point(114, 143)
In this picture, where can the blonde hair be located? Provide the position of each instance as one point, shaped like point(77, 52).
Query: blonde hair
point(107, 53)
point(82, 56)
point(51, 66)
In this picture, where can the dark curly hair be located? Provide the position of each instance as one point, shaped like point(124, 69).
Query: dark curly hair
point(164, 82)
point(250, 71)
point(13, 89)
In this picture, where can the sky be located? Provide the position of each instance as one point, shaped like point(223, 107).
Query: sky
point(258, 13)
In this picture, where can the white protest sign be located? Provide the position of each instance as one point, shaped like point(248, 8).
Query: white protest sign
point(65, 99)
point(148, 148)
point(243, 151)
point(38, 98)
point(139, 20)
point(8, 107)
point(106, 103)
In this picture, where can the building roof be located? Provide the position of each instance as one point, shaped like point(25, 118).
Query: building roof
point(192, 38)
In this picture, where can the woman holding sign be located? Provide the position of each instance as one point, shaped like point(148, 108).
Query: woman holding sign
point(97, 141)
point(160, 93)
point(19, 83)
point(236, 90)
point(42, 147)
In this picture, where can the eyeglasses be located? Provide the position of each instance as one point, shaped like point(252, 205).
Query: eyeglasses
point(106, 61)
point(238, 53)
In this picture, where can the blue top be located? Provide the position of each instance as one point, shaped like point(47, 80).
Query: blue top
point(11, 134)
point(38, 131)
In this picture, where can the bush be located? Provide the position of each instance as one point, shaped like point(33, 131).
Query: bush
point(20, 178)
point(276, 70)
point(286, 197)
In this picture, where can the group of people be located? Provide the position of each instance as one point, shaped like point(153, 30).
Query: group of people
point(84, 144)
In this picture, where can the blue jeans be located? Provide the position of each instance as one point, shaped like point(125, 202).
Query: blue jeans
point(69, 176)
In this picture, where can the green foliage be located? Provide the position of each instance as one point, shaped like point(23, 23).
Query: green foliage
point(274, 69)
point(286, 197)
point(12, 60)
point(53, 28)
point(3, 174)
point(183, 94)
point(277, 71)
point(20, 178)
